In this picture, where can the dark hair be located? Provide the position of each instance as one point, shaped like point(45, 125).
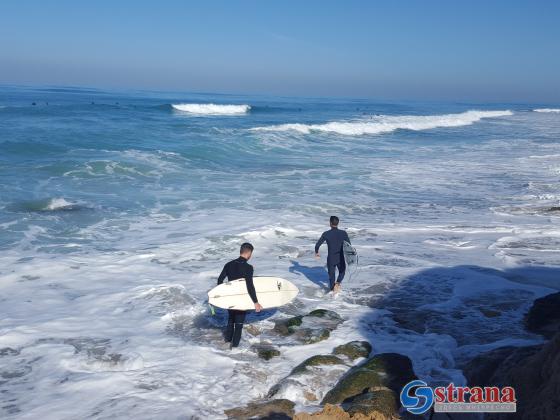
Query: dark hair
point(334, 220)
point(246, 247)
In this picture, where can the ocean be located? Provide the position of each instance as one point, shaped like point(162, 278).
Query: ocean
point(118, 210)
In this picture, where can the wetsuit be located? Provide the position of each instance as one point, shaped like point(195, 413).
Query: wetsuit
point(335, 239)
point(234, 270)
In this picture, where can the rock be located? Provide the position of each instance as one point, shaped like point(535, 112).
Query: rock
point(390, 370)
point(327, 359)
point(534, 373)
point(274, 409)
point(333, 412)
point(288, 326)
point(544, 316)
point(265, 351)
point(490, 313)
point(378, 400)
point(325, 313)
point(311, 328)
point(354, 349)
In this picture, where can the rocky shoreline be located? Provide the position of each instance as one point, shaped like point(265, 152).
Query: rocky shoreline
point(367, 386)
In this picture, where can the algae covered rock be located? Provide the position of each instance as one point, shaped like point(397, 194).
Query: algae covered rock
point(318, 360)
point(266, 351)
point(354, 349)
point(308, 329)
point(389, 370)
point(379, 400)
point(274, 409)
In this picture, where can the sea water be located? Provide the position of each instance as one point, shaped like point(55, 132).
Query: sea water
point(119, 209)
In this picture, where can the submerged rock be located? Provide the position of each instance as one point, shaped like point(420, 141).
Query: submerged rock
point(388, 370)
point(308, 379)
point(544, 316)
point(311, 328)
point(266, 351)
point(275, 409)
point(354, 349)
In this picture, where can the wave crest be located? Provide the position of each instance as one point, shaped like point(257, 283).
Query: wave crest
point(212, 109)
point(388, 123)
point(548, 110)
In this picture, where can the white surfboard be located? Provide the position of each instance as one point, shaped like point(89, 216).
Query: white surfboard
point(350, 253)
point(272, 292)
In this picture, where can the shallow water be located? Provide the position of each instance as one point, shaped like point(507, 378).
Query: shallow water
point(117, 212)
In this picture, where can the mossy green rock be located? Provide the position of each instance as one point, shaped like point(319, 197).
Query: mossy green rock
point(390, 370)
point(277, 409)
point(266, 352)
point(325, 313)
point(288, 326)
point(380, 400)
point(318, 360)
point(354, 349)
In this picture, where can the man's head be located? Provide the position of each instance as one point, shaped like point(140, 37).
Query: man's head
point(246, 250)
point(334, 221)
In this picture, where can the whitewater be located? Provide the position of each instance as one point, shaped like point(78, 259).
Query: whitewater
point(118, 211)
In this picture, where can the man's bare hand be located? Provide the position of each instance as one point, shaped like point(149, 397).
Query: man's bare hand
point(258, 307)
point(317, 255)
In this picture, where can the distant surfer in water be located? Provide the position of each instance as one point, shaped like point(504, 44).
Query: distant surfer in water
point(335, 259)
point(234, 270)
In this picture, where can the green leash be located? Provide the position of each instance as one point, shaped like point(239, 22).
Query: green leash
point(212, 311)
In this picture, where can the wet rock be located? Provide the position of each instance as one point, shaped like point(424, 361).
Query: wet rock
point(354, 349)
point(390, 370)
point(288, 326)
point(266, 351)
point(325, 313)
point(8, 351)
point(490, 313)
point(311, 328)
point(275, 409)
point(533, 371)
point(544, 316)
point(378, 401)
point(309, 378)
point(318, 360)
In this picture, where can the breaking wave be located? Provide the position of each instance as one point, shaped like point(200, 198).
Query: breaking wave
point(212, 109)
point(548, 110)
point(388, 123)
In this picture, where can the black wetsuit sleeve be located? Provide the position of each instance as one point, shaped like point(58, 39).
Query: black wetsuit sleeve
point(222, 275)
point(346, 238)
point(319, 243)
point(250, 285)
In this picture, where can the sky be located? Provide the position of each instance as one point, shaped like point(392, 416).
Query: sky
point(458, 50)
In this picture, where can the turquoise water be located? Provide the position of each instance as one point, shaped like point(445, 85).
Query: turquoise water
point(119, 209)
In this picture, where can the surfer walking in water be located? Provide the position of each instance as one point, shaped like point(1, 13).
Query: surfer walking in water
point(234, 270)
point(335, 259)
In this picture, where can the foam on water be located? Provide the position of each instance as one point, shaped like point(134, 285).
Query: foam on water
point(212, 109)
point(388, 123)
point(547, 110)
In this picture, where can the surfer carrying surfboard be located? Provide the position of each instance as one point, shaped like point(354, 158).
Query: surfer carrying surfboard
point(335, 239)
point(234, 270)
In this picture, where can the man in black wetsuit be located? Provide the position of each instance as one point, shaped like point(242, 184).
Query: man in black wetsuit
point(335, 260)
point(234, 270)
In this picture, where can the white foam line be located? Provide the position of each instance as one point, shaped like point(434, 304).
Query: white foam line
point(212, 109)
point(388, 123)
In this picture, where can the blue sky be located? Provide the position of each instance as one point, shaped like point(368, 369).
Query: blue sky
point(418, 49)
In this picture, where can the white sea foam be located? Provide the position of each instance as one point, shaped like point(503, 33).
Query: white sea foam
point(388, 123)
point(212, 109)
point(547, 110)
point(58, 204)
